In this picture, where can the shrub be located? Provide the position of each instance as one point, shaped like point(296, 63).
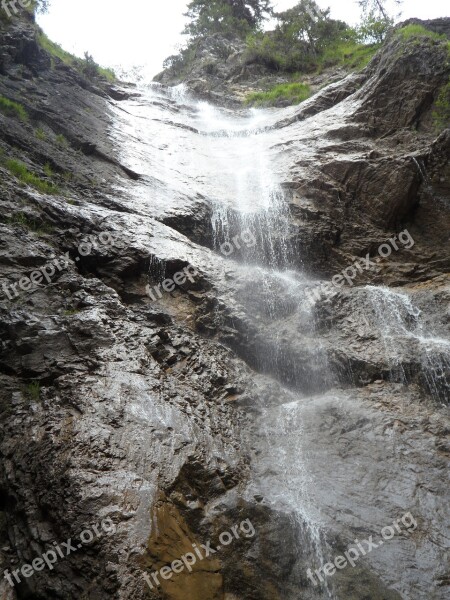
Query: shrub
point(373, 29)
point(345, 50)
point(264, 49)
point(108, 74)
point(13, 109)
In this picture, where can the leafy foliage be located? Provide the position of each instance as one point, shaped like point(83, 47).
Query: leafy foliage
point(306, 24)
point(302, 37)
point(349, 53)
point(40, 134)
point(306, 39)
point(373, 29)
point(225, 16)
point(376, 19)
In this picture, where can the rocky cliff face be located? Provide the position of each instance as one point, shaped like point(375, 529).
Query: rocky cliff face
point(253, 398)
point(219, 69)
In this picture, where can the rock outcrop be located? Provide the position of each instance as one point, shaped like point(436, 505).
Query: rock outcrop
point(220, 69)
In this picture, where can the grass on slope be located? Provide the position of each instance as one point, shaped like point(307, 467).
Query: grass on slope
point(419, 31)
point(348, 54)
point(13, 109)
point(87, 66)
point(292, 92)
point(22, 173)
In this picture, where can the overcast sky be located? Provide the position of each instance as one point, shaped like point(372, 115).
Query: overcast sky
point(138, 32)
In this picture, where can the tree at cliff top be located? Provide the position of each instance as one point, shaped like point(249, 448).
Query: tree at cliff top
point(376, 19)
point(302, 34)
point(225, 16)
point(307, 24)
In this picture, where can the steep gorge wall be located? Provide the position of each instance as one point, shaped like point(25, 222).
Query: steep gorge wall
point(150, 414)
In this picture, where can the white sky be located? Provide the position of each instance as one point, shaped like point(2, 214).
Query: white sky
point(145, 32)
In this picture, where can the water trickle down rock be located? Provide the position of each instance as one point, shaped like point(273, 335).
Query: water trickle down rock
point(231, 397)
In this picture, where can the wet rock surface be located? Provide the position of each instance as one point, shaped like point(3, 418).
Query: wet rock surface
point(253, 389)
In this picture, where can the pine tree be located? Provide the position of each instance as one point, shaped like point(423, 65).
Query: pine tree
point(225, 16)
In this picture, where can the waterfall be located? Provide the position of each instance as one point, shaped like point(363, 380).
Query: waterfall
point(194, 155)
point(400, 322)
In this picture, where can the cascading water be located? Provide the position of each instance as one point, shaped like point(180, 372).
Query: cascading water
point(228, 159)
point(189, 152)
point(400, 323)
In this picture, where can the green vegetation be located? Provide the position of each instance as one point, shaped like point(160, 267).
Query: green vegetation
point(61, 140)
point(13, 109)
point(54, 49)
point(26, 222)
point(343, 50)
point(418, 31)
point(21, 171)
point(294, 93)
point(441, 113)
point(33, 390)
point(348, 53)
point(40, 134)
point(108, 74)
point(225, 16)
point(305, 39)
point(87, 66)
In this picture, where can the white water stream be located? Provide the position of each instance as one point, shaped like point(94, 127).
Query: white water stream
point(187, 151)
